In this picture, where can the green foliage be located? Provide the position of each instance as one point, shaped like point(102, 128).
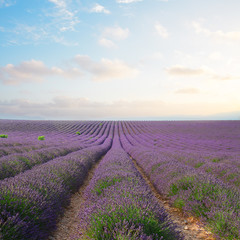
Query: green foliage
point(104, 183)
point(78, 133)
point(208, 170)
point(231, 176)
point(184, 183)
point(179, 203)
point(17, 204)
point(3, 136)
point(126, 219)
point(41, 138)
point(198, 165)
point(154, 167)
point(222, 173)
point(25, 160)
point(197, 192)
point(173, 190)
point(216, 160)
point(221, 224)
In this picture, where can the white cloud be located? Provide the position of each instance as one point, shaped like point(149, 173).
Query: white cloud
point(64, 107)
point(33, 71)
point(65, 17)
point(224, 77)
point(154, 57)
point(187, 91)
point(181, 71)
point(7, 3)
point(53, 22)
point(106, 43)
point(116, 33)
point(161, 31)
point(128, 1)
point(59, 3)
point(105, 69)
point(79, 108)
point(111, 34)
point(218, 35)
point(215, 56)
point(100, 9)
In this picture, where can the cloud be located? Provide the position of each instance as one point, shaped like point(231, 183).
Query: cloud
point(128, 1)
point(110, 35)
point(62, 107)
point(224, 77)
point(179, 70)
point(6, 3)
point(53, 23)
point(99, 9)
point(33, 71)
point(151, 58)
point(116, 33)
point(106, 43)
point(161, 31)
point(215, 56)
point(65, 17)
point(187, 91)
point(105, 69)
point(218, 35)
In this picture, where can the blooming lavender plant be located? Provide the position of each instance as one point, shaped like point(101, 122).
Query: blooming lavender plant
point(193, 175)
point(120, 205)
point(32, 201)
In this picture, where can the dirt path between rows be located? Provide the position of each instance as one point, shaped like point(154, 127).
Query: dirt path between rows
point(68, 225)
point(190, 227)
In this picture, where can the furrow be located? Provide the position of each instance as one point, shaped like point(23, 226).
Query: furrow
point(189, 226)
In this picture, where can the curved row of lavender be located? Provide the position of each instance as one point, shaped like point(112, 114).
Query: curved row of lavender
point(32, 201)
point(195, 164)
point(23, 135)
point(120, 204)
point(13, 164)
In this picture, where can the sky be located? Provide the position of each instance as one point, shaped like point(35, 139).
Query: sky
point(120, 59)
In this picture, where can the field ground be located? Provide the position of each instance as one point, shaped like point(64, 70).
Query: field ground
point(119, 180)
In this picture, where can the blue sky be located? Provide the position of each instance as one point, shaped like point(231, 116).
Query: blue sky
point(119, 59)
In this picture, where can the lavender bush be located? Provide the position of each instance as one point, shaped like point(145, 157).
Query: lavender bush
point(200, 179)
point(120, 205)
point(32, 201)
point(196, 164)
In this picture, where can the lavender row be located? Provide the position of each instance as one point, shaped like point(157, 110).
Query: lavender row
point(19, 143)
point(191, 188)
point(14, 164)
point(195, 136)
point(32, 201)
point(29, 137)
point(120, 205)
point(221, 164)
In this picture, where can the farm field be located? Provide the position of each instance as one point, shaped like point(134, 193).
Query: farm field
point(195, 165)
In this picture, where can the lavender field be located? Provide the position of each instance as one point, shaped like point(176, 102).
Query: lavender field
point(194, 164)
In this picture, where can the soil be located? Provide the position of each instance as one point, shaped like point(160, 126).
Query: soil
point(190, 227)
point(68, 226)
